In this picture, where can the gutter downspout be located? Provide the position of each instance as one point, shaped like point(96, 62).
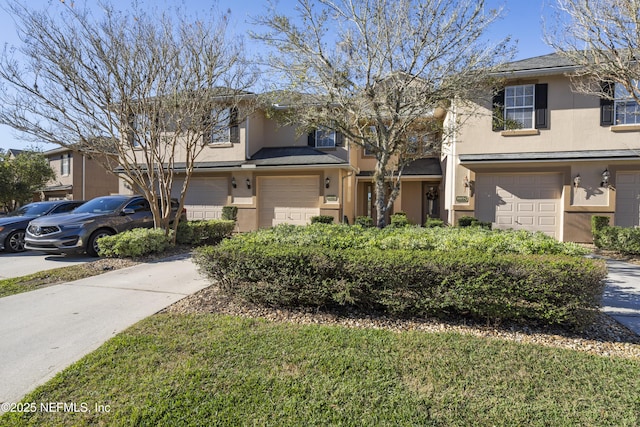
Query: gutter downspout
point(451, 174)
point(353, 171)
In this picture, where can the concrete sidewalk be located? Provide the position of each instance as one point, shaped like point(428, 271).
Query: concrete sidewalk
point(621, 298)
point(44, 331)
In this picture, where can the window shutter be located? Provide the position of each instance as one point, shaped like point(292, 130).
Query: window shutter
point(339, 139)
point(234, 129)
point(498, 111)
point(311, 139)
point(606, 104)
point(541, 106)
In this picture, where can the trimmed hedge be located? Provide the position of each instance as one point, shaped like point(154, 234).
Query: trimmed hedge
point(597, 224)
point(322, 219)
point(546, 289)
point(230, 213)
point(204, 232)
point(415, 238)
point(469, 221)
point(620, 239)
point(399, 219)
point(134, 243)
point(364, 221)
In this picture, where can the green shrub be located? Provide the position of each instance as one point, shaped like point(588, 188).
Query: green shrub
point(597, 224)
point(364, 221)
point(399, 219)
point(322, 219)
point(469, 221)
point(134, 243)
point(439, 238)
point(545, 289)
point(433, 222)
point(230, 213)
point(466, 221)
point(204, 232)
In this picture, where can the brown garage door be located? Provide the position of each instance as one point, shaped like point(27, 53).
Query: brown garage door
point(291, 200)
point(520, 201)
point(205, 197)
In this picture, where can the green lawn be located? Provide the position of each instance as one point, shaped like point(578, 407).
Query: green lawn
point(215, 370)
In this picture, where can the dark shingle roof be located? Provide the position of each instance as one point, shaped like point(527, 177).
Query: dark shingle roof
point(545, 64)
point(551, 156)
point(423, 167)
point(284, 156)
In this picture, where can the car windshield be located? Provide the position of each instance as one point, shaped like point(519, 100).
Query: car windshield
point(101, 205)
point(32, 209)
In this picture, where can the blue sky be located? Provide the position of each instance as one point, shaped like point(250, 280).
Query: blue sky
point(522, 21)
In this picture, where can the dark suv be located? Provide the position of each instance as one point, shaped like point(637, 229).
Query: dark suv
point(79, 230)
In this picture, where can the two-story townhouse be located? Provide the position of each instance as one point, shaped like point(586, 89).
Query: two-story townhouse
point(78, 176)
point(539, 156)
point(274, 175)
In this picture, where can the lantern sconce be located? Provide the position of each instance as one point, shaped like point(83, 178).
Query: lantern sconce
point(576, 181)
point(233, 182)
point(248, 181)
point(465, 182)
point(605, 178)
point(327, 182)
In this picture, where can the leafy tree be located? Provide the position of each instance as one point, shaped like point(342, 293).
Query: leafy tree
point(381, 72)
point(145, 87)
point(601, 39)
point(22, 176)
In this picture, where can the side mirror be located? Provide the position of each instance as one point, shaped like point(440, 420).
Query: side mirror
point(128, 211)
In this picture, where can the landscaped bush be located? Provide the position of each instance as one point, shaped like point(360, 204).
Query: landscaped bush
point(441, 239)
point(620, 239)
point(469, 221)
point(204, 232)
point(230, 213)
point(597, 224)
point(134, 243)
point(399, 219)
point(322, 219)
point(364, 221)
point(433, 222)
point(546, 289)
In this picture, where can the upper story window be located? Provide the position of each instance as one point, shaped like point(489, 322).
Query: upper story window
point(65, 164)
point(627, 110)
point(324, 138)
point(519, 105)
point(224, 129)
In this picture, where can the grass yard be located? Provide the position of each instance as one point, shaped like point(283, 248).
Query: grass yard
point(220, 370)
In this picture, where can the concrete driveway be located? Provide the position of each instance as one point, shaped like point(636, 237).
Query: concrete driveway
point(28, 262)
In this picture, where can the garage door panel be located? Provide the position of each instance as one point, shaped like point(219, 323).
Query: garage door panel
point(290, 200)
point(205, 197)
point(526, 201)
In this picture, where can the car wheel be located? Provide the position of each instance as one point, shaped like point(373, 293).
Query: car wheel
point(92, 245)
point(15, 241)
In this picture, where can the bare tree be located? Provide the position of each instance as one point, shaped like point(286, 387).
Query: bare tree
point(602, 39)
point(146, 88)
point(377, 71)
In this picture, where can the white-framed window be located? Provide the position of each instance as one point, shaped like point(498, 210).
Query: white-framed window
point(519, 105)
point(65, 164)
point(220, 130)
point(141, 129)
point(325, 138)
point(627, 110)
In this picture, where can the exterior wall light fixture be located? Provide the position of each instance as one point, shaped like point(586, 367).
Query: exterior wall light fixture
point(576, 181)
point(605, 178)
point(248, 181)
point(233, 182)
point(327, 182)
point(465, 182)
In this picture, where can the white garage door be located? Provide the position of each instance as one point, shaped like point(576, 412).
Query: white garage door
point(628, 199)
point(522, 202)
point(205, 197)
point(290, 200)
